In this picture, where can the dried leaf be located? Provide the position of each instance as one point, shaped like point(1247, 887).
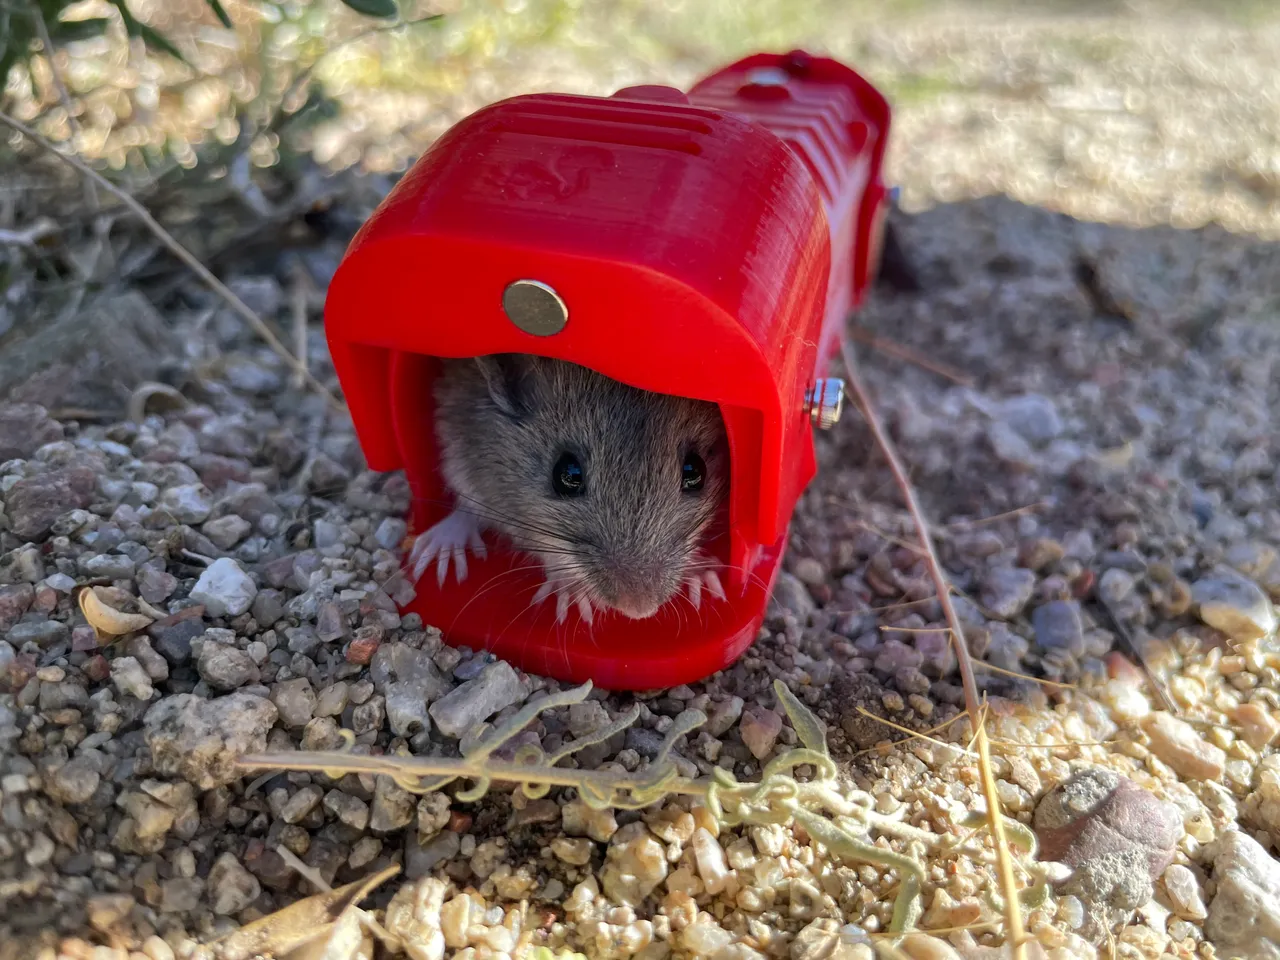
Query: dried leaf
point(141, 400)
point(106, 619)
point(278, 933)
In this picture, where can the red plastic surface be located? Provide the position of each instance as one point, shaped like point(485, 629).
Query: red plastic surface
point(692, 240)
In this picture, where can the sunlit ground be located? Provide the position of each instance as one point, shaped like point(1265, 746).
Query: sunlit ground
point(1155, 112)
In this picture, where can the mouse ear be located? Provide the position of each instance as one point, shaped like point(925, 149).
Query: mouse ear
point(509, 377)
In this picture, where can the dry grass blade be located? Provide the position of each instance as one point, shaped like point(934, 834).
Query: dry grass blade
point(1135, 648)
point(1014, 925)
point(911, 734)
point(183, 254)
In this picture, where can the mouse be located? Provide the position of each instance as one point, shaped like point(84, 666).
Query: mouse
point(610, 488)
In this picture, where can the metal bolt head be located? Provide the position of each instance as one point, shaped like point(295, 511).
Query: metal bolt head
point(825, 401)
point(535, 308)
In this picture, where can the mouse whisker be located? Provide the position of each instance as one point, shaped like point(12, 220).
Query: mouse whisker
point(492, 583)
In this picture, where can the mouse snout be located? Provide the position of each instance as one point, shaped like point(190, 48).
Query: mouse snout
point(636, 591)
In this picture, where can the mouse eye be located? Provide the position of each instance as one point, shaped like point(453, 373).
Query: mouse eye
point(567, 476)
point(693, 473)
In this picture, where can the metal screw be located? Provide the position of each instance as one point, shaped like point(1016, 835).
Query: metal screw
point(824, 401)
point(535, 308)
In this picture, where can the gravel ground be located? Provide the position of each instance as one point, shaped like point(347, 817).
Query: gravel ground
point(1104, 488)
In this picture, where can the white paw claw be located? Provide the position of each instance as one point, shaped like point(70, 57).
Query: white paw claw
point(564, 600)
point(712, 580)
point(707, 580)
point(450, 539)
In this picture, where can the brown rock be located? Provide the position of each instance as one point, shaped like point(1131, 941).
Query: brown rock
point(34, 503)
point(1176, 743)
point(15, 600)
point(24, 428)
point(1098, 812)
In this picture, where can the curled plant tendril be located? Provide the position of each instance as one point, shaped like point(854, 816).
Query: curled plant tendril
point(524, 717)
point(686, 722)
point(596, 736)
point(348, 738)
point(842, 821)
point(1020, 835)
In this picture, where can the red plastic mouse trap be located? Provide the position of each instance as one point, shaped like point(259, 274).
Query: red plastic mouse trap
point(708, 245)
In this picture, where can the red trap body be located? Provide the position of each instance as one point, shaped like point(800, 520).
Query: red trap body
point(707, 245)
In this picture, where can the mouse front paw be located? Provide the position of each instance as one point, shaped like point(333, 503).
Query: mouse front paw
point(566, 597)
point(447, 540)
point(698, 581)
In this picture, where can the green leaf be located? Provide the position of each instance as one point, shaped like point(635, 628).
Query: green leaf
point(808, 727)
point(220, 12)
point(72, 30)
point(374, 8)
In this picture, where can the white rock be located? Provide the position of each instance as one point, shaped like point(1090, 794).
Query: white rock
point(231, 886)
point(1184, 892)
point(711, 864)
point(224, 589)
point(1033, 416)
point(634, 870)
point(1235, 605)
point(1179, 745)
point(705, 937)
point(188, 503)
point(1126, 701)
point(390, 533)
point(1262, 806)
point(226, 532)
point(1244, 916)
point(130, 679)
point(458, 711)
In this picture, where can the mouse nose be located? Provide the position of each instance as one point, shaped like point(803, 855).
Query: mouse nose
point(636, 593)
point(637, 608)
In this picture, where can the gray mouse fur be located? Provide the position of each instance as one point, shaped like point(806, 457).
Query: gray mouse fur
point(632, 539)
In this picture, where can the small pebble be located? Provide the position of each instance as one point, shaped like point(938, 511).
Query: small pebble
point(224, 589)
point(1006, 590)
point(130, 679)
point(1184, 892)
point(1178, 744)
point(1235, 605)
point(759, 729)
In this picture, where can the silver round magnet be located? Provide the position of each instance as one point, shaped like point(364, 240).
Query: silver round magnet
point(534, 307)
point(768, 77)
point(825, 402)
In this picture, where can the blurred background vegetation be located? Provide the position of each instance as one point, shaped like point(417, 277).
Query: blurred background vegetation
point(158, 85)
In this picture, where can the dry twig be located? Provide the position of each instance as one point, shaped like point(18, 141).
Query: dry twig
point(64, 95)
point(183, 254)
point(910, 356)
point(1014, 926)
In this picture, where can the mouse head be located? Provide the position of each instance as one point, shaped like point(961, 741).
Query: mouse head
point(612, 487)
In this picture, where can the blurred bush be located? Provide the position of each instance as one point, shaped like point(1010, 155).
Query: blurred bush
point(137, 82)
